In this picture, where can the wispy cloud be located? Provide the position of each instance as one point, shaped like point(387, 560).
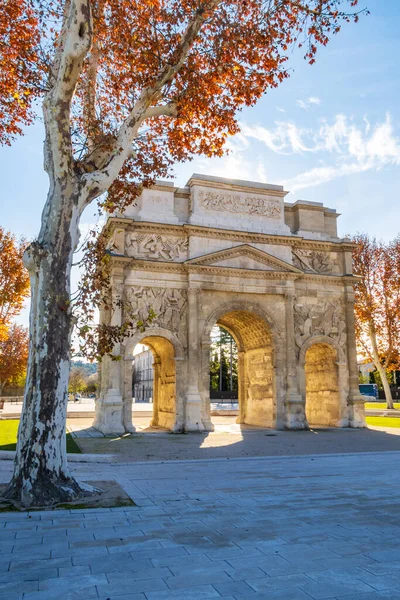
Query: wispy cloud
point(305, 104)
point(343, 146)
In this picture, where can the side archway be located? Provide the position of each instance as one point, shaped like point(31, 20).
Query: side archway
point(323, 382)
point(168, 387)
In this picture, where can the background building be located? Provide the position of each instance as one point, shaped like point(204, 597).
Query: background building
point(142, 380)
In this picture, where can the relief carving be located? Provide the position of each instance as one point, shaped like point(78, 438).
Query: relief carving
point(323, 318)
point(154, 246)
point(314, 261)
point(169, 305)
point(245, 205)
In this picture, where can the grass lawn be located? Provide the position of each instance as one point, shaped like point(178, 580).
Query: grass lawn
point(380, 405)
point(8, 437)
point(383, 421)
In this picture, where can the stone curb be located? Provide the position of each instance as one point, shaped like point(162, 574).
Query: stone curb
point(111, 458)
point(84, 458)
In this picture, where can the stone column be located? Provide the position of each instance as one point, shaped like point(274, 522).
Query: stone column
point(109, 406)
point(156, 390)
point(241, 387)
point(127, 407)
point(356, 400)
point(193, 420)
point(295, 416)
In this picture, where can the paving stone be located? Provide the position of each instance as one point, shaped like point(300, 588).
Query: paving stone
point(29, 574)
point(129, 585)
point(139, 573)
point(320, 591)
point(191, 579)
point(60, 594)
point(73, 583)
point(202, 592)
point(390, 595)
point(233, 588)
point(277, 584)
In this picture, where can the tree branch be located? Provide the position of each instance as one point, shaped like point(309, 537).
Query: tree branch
point(75, 42)
point(99, 181)
point(167, 110)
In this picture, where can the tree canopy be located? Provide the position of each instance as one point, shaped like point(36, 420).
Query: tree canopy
point(168, 74)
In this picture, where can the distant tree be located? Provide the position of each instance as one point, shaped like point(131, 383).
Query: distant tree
point(91, 384)
point(13, 357)
point(77, 380)
point(377, 305)
point(14, 279)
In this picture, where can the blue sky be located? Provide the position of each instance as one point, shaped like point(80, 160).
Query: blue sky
point(330, 133)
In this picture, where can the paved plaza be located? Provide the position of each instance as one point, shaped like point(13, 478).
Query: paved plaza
point(246, 529)
point(229, 440)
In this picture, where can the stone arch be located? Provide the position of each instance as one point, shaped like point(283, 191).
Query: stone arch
point(168, 386)
point(255, 336)
point(323, 371)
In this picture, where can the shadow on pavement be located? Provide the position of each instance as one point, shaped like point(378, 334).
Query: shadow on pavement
point(233, 441)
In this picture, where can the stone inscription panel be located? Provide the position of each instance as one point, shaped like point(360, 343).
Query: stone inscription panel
point(240, 204)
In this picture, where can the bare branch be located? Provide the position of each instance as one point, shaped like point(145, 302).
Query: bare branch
point(167, 110)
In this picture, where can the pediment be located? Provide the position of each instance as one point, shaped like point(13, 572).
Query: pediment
point(243, 257)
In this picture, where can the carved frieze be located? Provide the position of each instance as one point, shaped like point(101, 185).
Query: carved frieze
point(324, 318)
point(156, 247)
point(315, 261)
point(240, 204)
point(168, 304)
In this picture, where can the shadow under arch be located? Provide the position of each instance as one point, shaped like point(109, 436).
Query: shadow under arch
point(168, 392)
point(324, 382)
point(254, 333)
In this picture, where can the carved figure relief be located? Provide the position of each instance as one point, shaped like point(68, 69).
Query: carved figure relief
point(235, 203)
point(314, 261)
point(169, 305)
point(154, 246)
point(323, 318)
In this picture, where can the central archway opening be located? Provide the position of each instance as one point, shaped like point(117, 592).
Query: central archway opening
point(154, 379)
point(255, 378)
point(223, 367)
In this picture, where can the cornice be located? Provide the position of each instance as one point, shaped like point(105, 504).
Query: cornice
point(185, 268)
point(242, 273)
point(236, 187)
point(228, 234)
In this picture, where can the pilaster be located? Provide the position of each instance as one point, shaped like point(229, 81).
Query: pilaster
point(355, 400)
point(295, 416)
point(193, 421)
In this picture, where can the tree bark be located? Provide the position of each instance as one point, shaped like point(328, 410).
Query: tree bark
point(381, 370)
point(41, 475)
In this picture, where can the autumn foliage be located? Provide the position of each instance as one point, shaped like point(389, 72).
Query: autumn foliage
point(14, 280)
point(377, 304)
point(13, 356)
point(241, 51)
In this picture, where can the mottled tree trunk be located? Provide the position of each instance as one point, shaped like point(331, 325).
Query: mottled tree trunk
point(379, 367)
point(41, 475)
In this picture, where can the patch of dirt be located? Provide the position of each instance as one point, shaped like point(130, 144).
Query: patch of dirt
point(110, 495)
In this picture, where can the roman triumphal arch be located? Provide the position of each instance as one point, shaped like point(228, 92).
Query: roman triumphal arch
point(273, 274)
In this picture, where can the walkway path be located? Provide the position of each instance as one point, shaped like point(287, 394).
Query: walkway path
point(252, 529)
